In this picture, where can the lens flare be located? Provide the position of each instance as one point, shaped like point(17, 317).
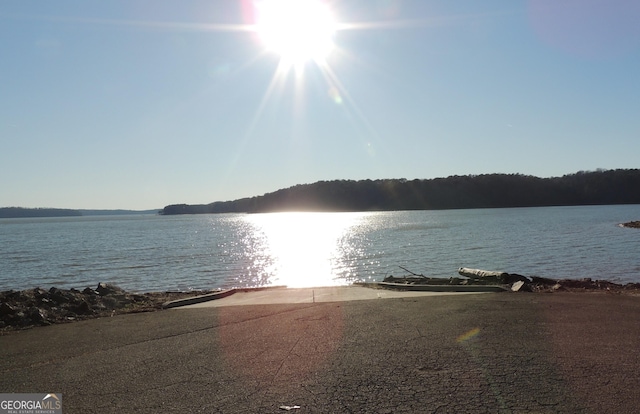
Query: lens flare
point(468, 335)
point(334, 94)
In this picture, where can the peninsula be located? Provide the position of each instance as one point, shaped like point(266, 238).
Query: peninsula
point(601, 187)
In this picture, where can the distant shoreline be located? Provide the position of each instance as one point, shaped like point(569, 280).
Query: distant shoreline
point(23, 212)
point(602, 187)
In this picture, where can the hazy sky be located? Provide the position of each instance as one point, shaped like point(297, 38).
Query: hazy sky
point(137, 104)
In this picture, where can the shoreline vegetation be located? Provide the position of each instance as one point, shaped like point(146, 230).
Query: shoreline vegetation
point(18, 212)
point(601, 187)
point(30, 308)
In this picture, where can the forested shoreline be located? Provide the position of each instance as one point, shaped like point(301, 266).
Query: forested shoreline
point(602, 187)
point(23, 212)
point(18, 212)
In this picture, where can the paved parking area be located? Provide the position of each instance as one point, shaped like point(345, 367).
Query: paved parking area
point(487, 353)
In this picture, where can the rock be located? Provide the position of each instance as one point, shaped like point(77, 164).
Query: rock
point(13, 295)
point(108, 289)
point(58, 296)
point(99, 307)
point(46, 302)
point(89, 291)
point(6, 309)
point(109, 301)
point(605, 285)
point(38, 293)
point(585, 283)
point(122, 299)
point(82, 308)
point(37, 316)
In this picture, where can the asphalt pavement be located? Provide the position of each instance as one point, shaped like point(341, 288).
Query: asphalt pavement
point(477, 353)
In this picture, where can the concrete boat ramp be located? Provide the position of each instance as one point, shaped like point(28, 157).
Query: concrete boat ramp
point(285, 295)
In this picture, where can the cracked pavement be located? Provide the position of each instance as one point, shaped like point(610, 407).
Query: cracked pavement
point(489, 353)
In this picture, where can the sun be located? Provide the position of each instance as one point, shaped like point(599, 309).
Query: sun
point(297, 30)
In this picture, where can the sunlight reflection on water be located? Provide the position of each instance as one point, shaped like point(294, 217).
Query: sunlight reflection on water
point(151, 253)
point(304, 247)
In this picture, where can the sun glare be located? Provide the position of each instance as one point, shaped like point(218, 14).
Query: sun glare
point(297, 30)
point(304, 247)
point(302, 34)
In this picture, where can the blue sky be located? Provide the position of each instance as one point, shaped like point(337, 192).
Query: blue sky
point(138, 104)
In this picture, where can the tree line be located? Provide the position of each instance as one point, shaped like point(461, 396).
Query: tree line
point(18, 212)
point(601, 187)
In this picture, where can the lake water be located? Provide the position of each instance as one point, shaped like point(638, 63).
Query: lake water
point(152, 253)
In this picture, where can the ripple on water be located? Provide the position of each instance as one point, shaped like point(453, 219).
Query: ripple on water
point(304, 249)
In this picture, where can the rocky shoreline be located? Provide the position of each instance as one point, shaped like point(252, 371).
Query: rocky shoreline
point(39, 307)
point(632, 224)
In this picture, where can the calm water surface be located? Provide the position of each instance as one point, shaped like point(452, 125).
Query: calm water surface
point(146, 253)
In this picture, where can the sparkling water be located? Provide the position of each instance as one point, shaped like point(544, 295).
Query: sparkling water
point(151, 253)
